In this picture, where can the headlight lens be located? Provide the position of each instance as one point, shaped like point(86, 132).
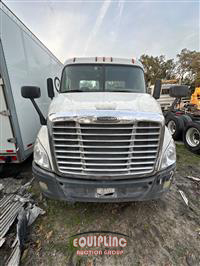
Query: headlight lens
point(40, 155)
point(169, 156)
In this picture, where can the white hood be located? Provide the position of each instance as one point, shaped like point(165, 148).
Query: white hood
point(75, 102)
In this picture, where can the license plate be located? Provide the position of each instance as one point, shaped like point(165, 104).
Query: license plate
point(105, 191)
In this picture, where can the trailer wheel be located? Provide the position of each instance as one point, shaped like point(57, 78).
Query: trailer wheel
point(196, 118)
point(186, 119)
point(191, 137)
point(175, 125)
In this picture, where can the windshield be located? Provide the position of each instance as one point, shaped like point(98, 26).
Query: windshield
point(98, 78)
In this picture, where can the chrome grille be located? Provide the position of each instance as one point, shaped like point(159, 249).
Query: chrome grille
point(106, 149)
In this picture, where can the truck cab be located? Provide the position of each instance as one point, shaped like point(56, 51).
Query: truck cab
point(104, 139)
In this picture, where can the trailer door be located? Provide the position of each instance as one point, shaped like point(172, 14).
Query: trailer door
point(7, 148)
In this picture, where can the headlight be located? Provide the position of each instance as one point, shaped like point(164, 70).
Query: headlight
point(40, 156)
point(169, 156)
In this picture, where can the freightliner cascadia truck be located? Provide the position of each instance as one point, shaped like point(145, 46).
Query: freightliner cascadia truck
point(104, 138)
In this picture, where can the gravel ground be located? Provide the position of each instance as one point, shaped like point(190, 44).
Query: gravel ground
point(162, 232)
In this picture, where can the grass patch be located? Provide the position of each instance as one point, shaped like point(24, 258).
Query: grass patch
point(70, 247)
point(185, 157)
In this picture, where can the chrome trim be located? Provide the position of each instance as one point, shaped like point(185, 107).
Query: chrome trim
point(111, 158)
point(103, 170)
point(110, 164)
point(93, 140)
point(97, 152)
point(124, 117)
point(103, 147)
point(96, 134)
point(127, 128)
point(90, 116)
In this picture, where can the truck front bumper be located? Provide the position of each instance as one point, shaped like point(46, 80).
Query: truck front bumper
point(76, 190)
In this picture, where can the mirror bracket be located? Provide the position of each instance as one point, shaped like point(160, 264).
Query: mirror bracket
point(43, 121)
point(32, 92)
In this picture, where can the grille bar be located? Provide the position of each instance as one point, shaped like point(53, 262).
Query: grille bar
point(99, 128)
point(99, 134)
point(107, 170)
point(103, 147)
point(100, 140)
point(108, 174)
point(103, 158)
point(103, 164)
point(106, 149)
point(95, 152)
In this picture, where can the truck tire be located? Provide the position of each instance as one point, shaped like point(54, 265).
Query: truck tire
point(175, 125)
point(191, 137)
point(186, 119)
point(196, 118)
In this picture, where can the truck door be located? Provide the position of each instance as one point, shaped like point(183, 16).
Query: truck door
point(7, 147)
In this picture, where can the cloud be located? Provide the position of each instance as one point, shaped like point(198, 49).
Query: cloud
point(61, 29)
point(102, 13)
point(111, 28)
point(118, 16)
point(121, 8)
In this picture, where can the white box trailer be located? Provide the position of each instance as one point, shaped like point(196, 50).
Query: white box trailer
point(165, 100)
point(23, 60)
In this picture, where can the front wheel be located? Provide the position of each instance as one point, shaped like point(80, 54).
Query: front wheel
point(191, 137)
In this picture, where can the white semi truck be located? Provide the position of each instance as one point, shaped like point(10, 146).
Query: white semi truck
point(104, 138)
point(23, 59)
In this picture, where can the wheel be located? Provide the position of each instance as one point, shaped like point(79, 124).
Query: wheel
point(191, 137)
point(175, 125)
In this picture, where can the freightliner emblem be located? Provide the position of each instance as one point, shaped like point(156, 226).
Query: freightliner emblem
point(107, 119)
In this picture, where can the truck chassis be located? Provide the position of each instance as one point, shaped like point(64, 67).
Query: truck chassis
point(184, 123)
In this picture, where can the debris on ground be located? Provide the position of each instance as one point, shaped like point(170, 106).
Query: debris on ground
point(1, 187)
point(17, 208)
point(193, 178)
point(183, 196)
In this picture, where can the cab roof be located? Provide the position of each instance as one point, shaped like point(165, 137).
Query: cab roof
point(104, 60)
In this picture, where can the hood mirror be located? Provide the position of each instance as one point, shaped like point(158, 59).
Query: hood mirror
point(57, 84)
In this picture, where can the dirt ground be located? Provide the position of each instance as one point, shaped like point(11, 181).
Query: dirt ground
point(162, 232)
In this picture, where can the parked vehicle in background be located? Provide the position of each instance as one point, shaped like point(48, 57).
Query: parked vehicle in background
point(24, 60)
point(104, 138)
point(195, 99)
point(183, 120)
point(165, 99)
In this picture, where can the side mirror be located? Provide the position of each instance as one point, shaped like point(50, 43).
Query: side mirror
point(57, 84)
point(50, 89)
point(157, 89)
point(30, 92)
point(179, 91)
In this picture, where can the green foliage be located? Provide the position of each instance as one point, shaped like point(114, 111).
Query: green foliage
point(157, 68)
point(186, 68)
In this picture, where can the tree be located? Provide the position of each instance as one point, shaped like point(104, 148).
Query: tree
point(157, 68)
point(188, 67)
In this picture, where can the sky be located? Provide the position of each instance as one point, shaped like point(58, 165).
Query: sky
point(112, 28)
